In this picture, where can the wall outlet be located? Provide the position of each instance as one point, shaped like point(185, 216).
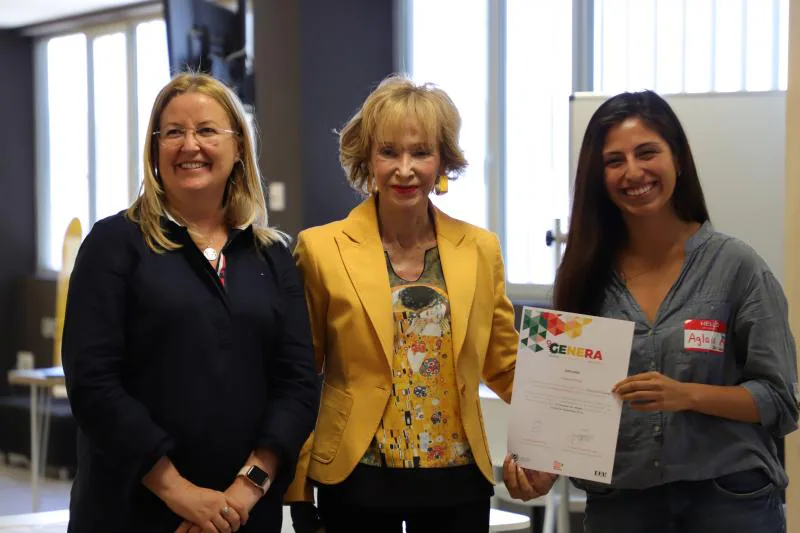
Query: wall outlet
point(25, 360)
point(277, 196)
point(48, 327)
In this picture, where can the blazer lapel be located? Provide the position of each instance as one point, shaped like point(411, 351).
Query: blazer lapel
point(459, 255)
point(362, 254)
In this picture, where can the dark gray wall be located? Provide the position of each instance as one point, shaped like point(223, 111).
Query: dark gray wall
point(315, 61)
point(276, 53)
point(17, 182)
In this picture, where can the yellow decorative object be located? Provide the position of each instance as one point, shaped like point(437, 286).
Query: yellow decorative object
point(69, 250)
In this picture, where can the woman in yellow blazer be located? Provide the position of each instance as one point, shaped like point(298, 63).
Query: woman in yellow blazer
point(408, 312)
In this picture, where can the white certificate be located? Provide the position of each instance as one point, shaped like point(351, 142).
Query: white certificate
point(563, 418)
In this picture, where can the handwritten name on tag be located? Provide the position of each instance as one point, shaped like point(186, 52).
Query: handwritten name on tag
point(700, 335)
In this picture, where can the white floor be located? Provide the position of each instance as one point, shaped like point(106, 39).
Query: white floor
point(15, 499)
point(15, 492)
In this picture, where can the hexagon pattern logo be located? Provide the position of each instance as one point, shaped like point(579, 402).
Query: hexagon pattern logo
point(540, 326)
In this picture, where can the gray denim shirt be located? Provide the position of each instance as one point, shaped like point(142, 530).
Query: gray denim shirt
point(722, 280)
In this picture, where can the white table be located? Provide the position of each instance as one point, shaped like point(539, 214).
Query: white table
point(505, 521)
point(495, 416)
point(41, 382)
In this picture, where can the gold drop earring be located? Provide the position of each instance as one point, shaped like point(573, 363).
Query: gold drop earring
point(441, 185)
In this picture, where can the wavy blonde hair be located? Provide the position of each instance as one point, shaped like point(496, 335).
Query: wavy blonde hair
point(386, 112)
point(245, 203)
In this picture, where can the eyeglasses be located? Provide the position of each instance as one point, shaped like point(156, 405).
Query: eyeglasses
point(206, 136)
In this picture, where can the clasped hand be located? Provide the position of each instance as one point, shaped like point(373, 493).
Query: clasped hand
point(653, 391)
point(525, 484)
point(211, 511)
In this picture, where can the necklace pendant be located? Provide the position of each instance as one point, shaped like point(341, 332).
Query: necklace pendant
point(210, 253)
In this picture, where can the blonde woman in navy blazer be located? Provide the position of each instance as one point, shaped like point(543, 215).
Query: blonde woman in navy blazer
point(186, 348)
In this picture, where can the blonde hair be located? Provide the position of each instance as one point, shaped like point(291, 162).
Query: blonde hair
point(245, 203)
point(386, 112)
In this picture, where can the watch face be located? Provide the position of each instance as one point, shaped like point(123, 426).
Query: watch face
point(257, 476)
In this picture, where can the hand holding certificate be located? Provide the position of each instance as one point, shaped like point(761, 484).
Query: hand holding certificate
point(564, 418)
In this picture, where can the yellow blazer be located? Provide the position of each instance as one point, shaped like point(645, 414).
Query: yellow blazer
point(349, 301)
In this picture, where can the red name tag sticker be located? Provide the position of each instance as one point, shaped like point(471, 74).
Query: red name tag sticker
point(700, 335)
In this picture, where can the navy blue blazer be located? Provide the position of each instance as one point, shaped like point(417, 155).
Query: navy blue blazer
point(161, 359)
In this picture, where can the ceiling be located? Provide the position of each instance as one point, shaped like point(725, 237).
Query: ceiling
point(18, 13)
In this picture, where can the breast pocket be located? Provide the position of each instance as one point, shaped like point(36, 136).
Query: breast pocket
point(698, 346)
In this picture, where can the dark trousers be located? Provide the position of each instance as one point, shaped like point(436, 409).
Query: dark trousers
point(744, 502)
point(471, 517)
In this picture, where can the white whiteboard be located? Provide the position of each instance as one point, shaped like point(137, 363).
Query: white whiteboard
point(738, 143)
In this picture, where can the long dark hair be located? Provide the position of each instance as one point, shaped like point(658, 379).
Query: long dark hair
point(597, 231)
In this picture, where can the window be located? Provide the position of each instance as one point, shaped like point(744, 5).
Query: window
point(538, 86)
point(110, 116)
point(508, 70)
point(67, 141)
point(152, 71)
point(676, 46)
point(459, 66)
point(511, 65)
point(97, 89)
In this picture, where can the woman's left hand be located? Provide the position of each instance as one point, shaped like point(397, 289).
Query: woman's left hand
point(524, 484)
point(242, 496)
point(653, 391)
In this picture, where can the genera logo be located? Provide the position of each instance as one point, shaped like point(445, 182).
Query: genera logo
point(541, 328)
point(557, 349)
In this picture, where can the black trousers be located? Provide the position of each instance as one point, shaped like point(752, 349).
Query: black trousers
point(472, 517)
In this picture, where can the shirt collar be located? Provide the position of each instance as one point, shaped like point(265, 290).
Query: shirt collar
point(699, 237)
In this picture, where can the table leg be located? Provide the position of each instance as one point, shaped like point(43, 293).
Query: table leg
point(47, 400)
point(563, 505)
point(550, 509)
point(35, 446)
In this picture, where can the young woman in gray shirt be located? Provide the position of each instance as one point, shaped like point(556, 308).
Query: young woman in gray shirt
point(712, 379)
